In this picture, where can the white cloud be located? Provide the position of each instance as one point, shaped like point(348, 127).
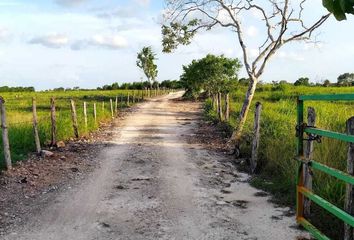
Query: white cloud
point(253, 52)
point(69, 3)
point(110, 42)
point(54, 40)
point(120, 12)
point(143, 2)
point(252, 31)
point(4, 34)
point(290, 56)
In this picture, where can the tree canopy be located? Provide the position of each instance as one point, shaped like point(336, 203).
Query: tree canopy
point(303, 81)
point(211, 73)
point(345, 79)
point(339, 8)
point(146, 61)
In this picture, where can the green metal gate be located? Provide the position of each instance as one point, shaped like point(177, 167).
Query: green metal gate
point(301, 190)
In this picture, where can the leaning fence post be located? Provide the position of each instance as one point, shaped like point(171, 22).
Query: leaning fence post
point(111, 102)
point(74, 118)
point(256, 137)
point(5, 135)
point(85, 114)
point(308, 154)
point(95, 112)
point(54, 122)
point(349, 196)
point(35, 126)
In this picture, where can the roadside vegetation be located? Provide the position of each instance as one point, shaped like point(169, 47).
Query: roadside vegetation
point(19, 115)
point(277, 168)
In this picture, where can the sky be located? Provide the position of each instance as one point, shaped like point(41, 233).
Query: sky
point(90, 43)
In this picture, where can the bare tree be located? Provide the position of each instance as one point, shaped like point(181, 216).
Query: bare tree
point(283, 23)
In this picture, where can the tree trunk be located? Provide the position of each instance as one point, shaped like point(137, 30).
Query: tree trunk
point(234, 141)
point(227, 107)
point(219, 107)
point(214, 101)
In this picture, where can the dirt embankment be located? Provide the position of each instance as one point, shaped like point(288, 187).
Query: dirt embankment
point(153, 181)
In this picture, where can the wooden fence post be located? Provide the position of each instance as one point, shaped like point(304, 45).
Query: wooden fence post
point(256, 136)
point(35, 127)
point(116, 105)
point(308, 154)
point(95, 112)
point(220, 107)
point(74, 118)
point(85, 114)
point(128, 100)
point(5, 135)
point(349, 196)
point(103, 106)
point(111, 102)
point(54, 122)
point(227, 107)
point(133, 96)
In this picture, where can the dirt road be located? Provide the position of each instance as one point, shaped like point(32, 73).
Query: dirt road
point(153, 184)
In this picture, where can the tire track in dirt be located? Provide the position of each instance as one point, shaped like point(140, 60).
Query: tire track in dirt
point(152, 184)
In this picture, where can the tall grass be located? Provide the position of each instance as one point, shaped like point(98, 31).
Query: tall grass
point(19, 116)
point(278, 142)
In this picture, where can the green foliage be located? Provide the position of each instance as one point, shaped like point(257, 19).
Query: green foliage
point(211, 73)
point(171, 84)
point(339, 8)
point(303, 81)
point(126, 86)
point(146, 61)
point(326, 83)
point(278, 141)
point(16, 89)
point(346, 80)
point(177, 33)
point(19, 116)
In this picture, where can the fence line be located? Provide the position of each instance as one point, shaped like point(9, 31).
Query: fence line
point(52, 125)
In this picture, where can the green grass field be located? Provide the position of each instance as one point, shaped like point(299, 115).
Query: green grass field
point(278, 142)
point(19, 115)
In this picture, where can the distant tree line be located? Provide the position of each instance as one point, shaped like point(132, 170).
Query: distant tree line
point(16, 89)
point(171, 84)
point(343, 80)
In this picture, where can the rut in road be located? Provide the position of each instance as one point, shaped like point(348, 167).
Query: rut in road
point(152, 184)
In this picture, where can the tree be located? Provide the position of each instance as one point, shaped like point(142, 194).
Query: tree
point(303, 81)
point(211, 73)
point(146, 59)
point(339, 8)
point(326, 83)
point(283, 23)
point(345, 79)
point(217, 75)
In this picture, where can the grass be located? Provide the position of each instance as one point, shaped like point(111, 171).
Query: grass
point(278, 142)
point(19, 116)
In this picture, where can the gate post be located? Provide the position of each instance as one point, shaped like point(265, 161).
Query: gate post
point(308, 154)
point(349, 196)
point(300, 153)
